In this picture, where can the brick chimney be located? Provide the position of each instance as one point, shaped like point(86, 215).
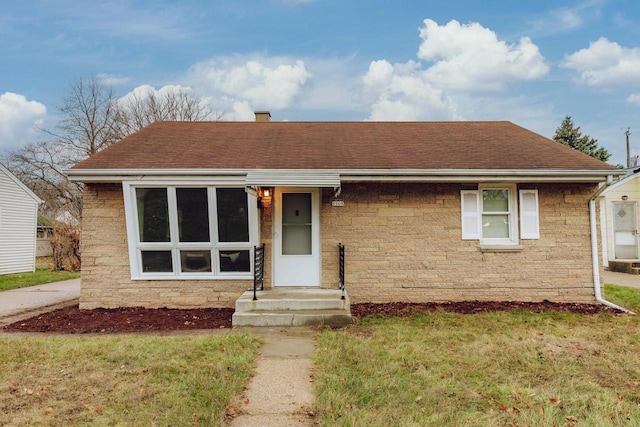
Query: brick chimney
point(263, 116)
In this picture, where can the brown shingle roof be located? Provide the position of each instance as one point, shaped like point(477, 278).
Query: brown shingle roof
point(339, 145)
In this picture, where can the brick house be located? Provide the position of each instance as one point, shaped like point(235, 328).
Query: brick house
point(427, 211)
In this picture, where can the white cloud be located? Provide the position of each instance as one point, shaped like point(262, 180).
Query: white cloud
point(401, 92)
point(20, 120)
point(605, 64)
point(144, 91)
point(634, 98)
point(261, 82)
point(455, 60)
point(565, 19)
point(111, 80)
point(471, 58)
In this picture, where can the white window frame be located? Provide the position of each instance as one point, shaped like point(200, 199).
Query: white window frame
point(136, 247)
point(526, 221)
point(512, 214)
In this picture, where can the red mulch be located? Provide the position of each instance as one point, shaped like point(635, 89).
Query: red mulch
point(75, 321)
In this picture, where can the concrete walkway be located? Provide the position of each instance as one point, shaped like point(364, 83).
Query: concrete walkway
point(621, 279)
point(22, 303)
point(280, 394)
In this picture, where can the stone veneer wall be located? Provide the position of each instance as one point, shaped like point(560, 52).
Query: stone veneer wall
point(403, 243)
point(106, 277)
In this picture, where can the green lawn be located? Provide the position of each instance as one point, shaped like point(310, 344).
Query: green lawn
point(123, 380)
point(38, 277)
point(494, 369)
point(623, 296)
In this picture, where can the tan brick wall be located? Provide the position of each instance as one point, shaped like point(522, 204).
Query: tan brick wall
point(106, 276)
point(403, 243)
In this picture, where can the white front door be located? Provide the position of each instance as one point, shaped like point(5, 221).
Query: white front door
point(625, 230)
point(296, 237)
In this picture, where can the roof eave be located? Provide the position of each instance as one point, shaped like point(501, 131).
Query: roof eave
point(358, 175)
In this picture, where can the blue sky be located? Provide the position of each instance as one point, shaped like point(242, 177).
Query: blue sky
point(529, 62)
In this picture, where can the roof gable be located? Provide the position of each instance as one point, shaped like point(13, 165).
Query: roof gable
point(19, 184)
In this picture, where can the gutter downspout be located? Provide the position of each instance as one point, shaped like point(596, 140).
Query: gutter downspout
point(595, 260)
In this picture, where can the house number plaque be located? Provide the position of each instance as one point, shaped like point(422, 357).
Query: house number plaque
point(337, 203)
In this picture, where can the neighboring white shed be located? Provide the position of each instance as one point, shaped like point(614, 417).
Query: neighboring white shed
point(18, 222)
point(619, 216)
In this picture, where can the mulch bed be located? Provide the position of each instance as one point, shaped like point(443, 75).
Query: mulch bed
point(72, 320)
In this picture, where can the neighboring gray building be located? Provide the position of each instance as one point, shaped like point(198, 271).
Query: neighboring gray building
point(18, 222)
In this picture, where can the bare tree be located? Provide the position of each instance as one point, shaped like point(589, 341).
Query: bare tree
point(91, 119)
point(178, 104)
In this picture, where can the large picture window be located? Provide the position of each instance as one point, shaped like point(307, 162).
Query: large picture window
point(189, 231)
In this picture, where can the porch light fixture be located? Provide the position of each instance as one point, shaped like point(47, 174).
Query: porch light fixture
point(264, 198)
point(625, 197)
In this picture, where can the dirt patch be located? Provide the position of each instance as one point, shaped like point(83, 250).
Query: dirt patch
point(471, 307)
point(72, 320)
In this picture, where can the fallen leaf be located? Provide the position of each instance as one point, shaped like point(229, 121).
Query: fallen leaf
point(99, 409)
point(48, 411)
point(418, 399)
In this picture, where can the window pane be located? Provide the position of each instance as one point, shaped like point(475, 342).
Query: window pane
point(193, 214)
point(153, 214)
point(296, 208)
point(495, 200)
point(195, 261)
point(156, 262)
point(296, 224)
point(624, 218)
point(235, 261)
point(233, 218)
point(495, 226)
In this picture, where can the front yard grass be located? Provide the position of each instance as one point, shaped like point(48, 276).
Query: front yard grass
point(121, 380)
point(500, 369)
point(38, 277)
point(623, 296)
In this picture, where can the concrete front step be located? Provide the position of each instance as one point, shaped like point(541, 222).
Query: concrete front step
point(292, 307)
point(292, 318)
point(629, 267)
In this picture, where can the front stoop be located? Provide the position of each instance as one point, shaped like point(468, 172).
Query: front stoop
point(629, 267)
point(293, 307)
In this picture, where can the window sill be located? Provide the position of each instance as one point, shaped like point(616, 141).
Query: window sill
point(501, 248)
point(186, 277)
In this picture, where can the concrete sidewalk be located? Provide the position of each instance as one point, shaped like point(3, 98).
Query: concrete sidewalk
point(280, 394)
point(18, 304)
point(621, 279)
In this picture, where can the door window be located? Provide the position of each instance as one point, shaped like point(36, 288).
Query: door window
point(296, 224)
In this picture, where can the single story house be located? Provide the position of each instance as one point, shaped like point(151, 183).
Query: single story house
point(18, 221)
point(427, 211)
point(619, 218)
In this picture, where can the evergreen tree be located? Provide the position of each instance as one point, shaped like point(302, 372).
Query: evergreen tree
point(571, 136)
